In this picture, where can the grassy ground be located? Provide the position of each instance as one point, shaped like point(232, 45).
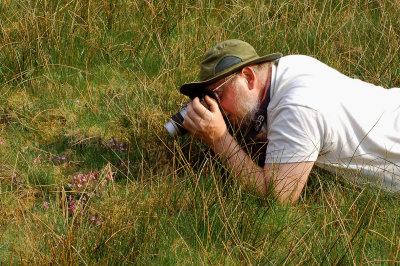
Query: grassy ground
point(89, 175)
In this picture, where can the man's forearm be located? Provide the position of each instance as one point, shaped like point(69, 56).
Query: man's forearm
point(251, 175)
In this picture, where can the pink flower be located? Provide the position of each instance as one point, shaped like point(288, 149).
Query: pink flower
point(46, 205)
point(73, 207)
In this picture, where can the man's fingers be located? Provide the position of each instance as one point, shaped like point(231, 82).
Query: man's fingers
point(199, 108)
point(193, 127)
point(189, 124)
point(194, 116)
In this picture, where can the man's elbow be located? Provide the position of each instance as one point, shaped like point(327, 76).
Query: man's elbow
point(282, 195)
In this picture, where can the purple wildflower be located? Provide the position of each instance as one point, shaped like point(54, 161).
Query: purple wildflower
point(72, 207)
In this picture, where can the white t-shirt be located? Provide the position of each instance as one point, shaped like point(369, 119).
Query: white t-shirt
point(343, 124)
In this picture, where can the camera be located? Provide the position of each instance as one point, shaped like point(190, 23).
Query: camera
point(175, 125)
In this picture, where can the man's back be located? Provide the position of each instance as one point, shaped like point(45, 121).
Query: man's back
point(318, 114)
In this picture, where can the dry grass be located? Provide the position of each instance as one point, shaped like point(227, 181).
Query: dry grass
point(75, 74)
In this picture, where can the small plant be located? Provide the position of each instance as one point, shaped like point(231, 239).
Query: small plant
point(18, 182)
point(86, 186)
point(54, 159)
point(116, 145)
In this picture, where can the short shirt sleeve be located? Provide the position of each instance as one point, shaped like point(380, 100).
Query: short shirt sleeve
point(295, 134)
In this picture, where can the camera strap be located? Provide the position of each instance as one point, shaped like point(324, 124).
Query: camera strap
point(261, 115)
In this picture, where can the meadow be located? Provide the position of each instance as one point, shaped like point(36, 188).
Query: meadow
point(88, 174)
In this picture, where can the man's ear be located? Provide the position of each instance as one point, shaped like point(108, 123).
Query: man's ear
point(250, 75)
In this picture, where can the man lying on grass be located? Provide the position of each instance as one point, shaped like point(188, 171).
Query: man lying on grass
point(311, 114)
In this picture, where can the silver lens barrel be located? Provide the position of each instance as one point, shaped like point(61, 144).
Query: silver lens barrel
point(172, 129)
point(175, 125)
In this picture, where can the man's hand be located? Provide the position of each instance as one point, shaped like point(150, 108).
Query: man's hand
point(208, 125)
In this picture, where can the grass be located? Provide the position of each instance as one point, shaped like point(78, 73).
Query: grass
point(75, 75)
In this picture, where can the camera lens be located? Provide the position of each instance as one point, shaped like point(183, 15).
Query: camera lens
point(175, 125)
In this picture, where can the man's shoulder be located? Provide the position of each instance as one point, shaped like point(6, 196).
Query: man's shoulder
point(297, 71)
point(297, 57)
point(302, 80)
point(304, 70)
point(298, 61)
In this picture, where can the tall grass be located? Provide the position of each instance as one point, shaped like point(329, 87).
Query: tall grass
point(85, 87)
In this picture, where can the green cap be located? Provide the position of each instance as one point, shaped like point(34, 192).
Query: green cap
point(222, 60)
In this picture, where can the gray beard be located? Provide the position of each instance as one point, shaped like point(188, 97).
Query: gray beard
point(251, 116)
point(247, 121)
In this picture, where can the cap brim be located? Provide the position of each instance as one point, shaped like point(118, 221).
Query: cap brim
point(194, 89)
